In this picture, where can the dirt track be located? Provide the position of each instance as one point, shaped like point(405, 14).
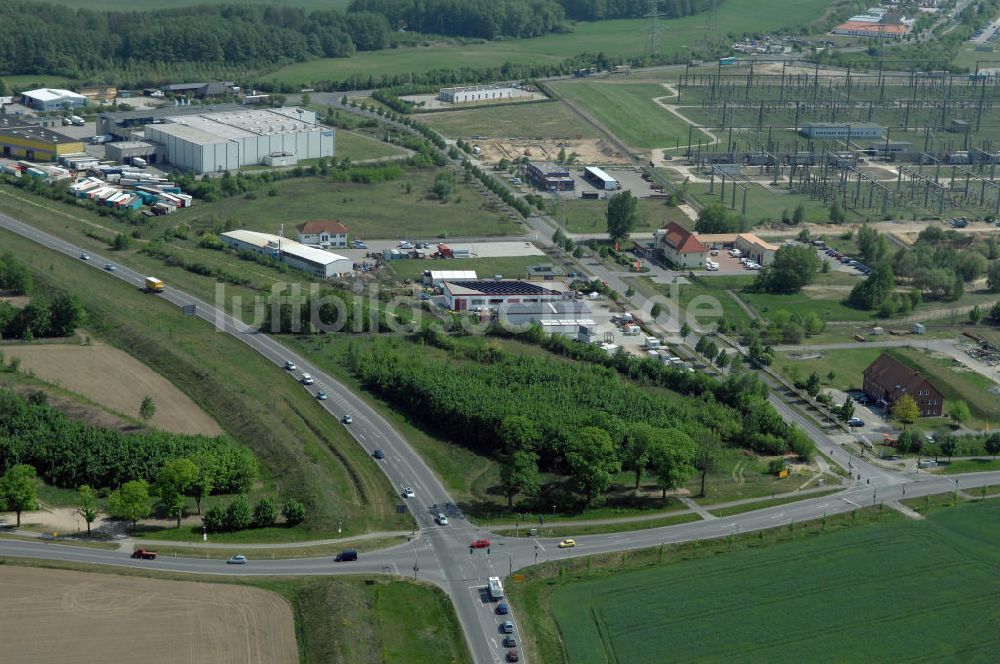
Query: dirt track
point(115, 380)
point(50, 615)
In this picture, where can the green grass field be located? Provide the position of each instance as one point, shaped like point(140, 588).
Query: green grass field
point(627, 110)
point(591, 216)
point(847, 366)
point(363, 208)
point(709, 287)
point(955, 383)
point(616, 38)
point(360, 147)
point(828, 305)
point(528, 120)
point(511, 267)
point(896, 591)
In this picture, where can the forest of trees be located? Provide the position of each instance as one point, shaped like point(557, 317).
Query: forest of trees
point(68, 453)
point(575, 418)
point(39, 38)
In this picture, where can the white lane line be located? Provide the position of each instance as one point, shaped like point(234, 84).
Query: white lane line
point(850, 502)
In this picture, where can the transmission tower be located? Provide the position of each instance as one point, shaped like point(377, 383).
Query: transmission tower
point(711, 16)
point(654, 27)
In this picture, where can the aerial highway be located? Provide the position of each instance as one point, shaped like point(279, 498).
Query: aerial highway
point(442, 554)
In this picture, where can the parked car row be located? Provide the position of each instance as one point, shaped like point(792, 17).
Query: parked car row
point(847, 260)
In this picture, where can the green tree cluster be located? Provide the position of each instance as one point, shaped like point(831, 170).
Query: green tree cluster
point(69, 454)
point(793, 267)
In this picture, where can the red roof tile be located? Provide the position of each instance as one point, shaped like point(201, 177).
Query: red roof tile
point(682, 240)
point(314, 227)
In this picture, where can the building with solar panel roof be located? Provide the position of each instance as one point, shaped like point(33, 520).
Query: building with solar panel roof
point(468, 294)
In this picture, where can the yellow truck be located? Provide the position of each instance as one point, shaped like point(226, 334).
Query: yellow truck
point(154, 285)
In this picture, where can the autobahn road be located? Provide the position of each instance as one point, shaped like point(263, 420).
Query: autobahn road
point(441, 554)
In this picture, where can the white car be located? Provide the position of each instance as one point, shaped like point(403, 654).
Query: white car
point(442, 519)
point(408, 492)
point(403, 244)
point(289, 365)
point(307, 379)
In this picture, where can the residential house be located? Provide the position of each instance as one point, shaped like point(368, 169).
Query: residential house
point(887, 379)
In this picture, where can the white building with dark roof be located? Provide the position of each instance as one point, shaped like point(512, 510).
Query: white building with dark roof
point(324, 264)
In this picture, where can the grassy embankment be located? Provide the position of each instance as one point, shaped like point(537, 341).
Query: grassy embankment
point(303, 452)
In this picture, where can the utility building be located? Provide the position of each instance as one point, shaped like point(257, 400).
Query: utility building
point(549, 176)
point(680, 247)
point(470, 294)
point(849, 130)
point(481, 93)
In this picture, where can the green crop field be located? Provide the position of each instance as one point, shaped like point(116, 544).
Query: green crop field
point(627, 110)
point(530, 120)
point(616, 38)
point(359, 147)
point(895, 591)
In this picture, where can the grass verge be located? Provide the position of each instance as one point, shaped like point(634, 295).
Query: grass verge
point(763, 504)
point(317, 551)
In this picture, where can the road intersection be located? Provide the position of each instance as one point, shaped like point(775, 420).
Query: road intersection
point(441, 554)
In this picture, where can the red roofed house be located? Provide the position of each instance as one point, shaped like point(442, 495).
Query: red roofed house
point(327, 233)
point(887, 379)
point(680, 247)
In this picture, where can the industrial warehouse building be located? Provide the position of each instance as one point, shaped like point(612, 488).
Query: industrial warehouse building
point(123, 125)
point(549, 176)
point(472, 293)
point(321, 263)
point(20, 140)
point(52, 99)
point(327, 233)
point(832, 130)
point(600, 179)
point(226, 141)
point(480, 93)
point(558, 317)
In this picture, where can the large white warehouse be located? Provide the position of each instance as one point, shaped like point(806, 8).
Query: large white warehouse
point(225, 141)
point(322, 263)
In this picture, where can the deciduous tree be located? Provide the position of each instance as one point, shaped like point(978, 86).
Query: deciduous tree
point(519, 474)
point(86, 505)
point(17, 489)
point(622, 215)
point(147, 409)
point(293, 511)
point(958, 411)
point(671, 459)
point(905, 410)
point(173, 483)
point(130, 501)
point(592, 460)
point(706, 455)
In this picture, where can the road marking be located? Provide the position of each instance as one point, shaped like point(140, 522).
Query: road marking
point(850, 502)
point(540, 547)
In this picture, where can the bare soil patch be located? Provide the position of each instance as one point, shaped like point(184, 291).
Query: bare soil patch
point(51, 615)
point(588, 150)
point(115, 380)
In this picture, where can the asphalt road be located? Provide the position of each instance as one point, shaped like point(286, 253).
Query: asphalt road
point(441, 554)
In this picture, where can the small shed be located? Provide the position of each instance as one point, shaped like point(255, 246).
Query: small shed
point(919, 328)
point(878, 330)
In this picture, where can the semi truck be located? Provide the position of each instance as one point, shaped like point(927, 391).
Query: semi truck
point(495, 588)
point(144, 554)
point(153, 285)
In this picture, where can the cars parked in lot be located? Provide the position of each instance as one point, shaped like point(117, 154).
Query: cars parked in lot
point(238, 559)
point(480, 544)
point(567, 544)
point(358, 244)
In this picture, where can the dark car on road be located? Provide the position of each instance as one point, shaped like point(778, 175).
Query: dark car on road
point(378, 454)
point(347, 556)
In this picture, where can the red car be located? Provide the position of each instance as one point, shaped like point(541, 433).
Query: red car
point(480, 544)
point(512, 656)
